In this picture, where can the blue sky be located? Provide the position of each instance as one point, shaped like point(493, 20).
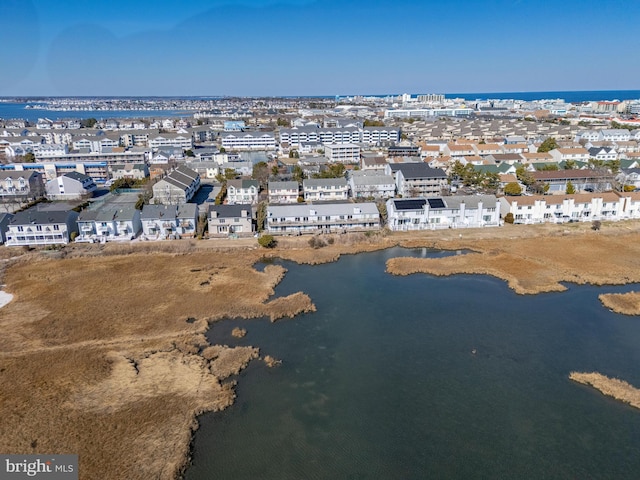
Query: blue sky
point(323, 47)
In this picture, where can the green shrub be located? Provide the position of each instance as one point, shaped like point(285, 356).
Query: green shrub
point(508, 218)
point(267, 241)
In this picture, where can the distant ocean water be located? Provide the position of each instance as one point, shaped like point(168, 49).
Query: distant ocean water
point(10, 110)
point(568, 96)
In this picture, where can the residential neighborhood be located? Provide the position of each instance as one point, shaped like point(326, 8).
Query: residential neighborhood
point(350, 164)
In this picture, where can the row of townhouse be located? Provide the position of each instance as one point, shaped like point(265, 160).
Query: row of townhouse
point(249, 141)
point(608, 135)
point(468, 211)
point(405, 179)
point(49, 146)
point(296, 137)
point(321, 218)
point(53, 224)
point(582, 207)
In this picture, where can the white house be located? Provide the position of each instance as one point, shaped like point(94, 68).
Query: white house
point(583, 207)
point(20, 184)
point(322, 218)
point(417, 179)
point(111, 221)
point(465, 211)
point(171, 140)
point(614, 135)
point(242, 191)
point(342, 153)
point(226, 220)
point(249, 141)
point(177, 187)
point(325, 189)
point(569, 154)
point(283, 192)
point(161, 222)
point(371, 183)
point(38, 227)
point(70, 186)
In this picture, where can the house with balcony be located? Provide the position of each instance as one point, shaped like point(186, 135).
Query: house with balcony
point(38, 226)
point(582, 180)
point(418, 179)
point(249, 141)
point(371, 184)
point(583, 207)
point(230, 220)
point(322, 218)
point(136, 171)
point(463, 211)
point(178, 187)
point(108, 222)
point(183, 141)
point(325, 189)
point(160, 222)
point(242, 191)
point(342, 153)
point(283, 192)
point(20, 184)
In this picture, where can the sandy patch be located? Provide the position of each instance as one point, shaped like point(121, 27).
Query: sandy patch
point(5, 298)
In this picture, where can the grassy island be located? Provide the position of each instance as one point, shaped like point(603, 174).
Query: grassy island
point(612, 387)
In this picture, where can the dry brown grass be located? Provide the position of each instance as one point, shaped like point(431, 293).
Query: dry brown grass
point(538, 264)
point(612, 387)
point(101, 355)
point(625, 303)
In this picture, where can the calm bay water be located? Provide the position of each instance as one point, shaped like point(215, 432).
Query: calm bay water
point(17, 111)
point(381, 383)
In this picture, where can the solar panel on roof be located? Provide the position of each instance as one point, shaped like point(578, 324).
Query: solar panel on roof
point(436, 203)
point(409, 204)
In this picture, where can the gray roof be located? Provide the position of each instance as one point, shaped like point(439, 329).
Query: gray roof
point(80, 177)
point(187, 210)
point(4, 174)
point(301, 210)
point(325, 182)
point(241, 183)
point(230, 211)
point(283, 186)
point(108, 212)
point(152, 212)
point(37, 217)
point(471, 201)
point(373, 180)
point(418, 170)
